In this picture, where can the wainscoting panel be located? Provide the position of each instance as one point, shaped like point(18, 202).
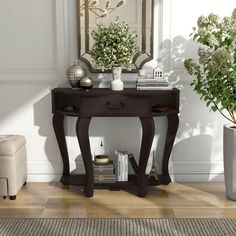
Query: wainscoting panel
point(33, 39)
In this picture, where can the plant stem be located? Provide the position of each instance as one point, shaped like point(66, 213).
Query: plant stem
point(232, 115)
point(91, 9)
point(223, 113)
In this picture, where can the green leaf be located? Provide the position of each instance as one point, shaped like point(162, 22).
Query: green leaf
point(213, 108)
point(215, 68)
point(208, 103)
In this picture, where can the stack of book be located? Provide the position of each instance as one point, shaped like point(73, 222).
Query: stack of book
point(104, 173)
point(153, 84)
point(122, 165)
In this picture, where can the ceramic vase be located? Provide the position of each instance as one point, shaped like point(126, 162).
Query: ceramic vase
point(117, 84)
point(230, 161)
point(75, 73)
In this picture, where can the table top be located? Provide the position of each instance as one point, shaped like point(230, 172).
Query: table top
point(108, 91)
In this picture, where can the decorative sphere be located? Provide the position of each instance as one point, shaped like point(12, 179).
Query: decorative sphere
point(75, 73)
point(86, 83)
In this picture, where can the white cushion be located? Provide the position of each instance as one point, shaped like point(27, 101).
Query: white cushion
point(10, 144)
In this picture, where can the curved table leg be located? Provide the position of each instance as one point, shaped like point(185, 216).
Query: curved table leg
point(173, 123)
point(148, 126)
point(82, 130)
point(58, 125)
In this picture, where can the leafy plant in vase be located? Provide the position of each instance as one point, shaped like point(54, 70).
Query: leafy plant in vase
point(215, 80)
point(114, 47)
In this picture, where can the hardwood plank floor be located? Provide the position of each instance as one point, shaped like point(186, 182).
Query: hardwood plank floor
point(181, 200)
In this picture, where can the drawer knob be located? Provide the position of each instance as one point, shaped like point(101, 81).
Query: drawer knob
point(111, 106)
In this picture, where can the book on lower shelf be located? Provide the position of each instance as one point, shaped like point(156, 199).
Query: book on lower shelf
point(121, 166)
point(123, 160)
point(118, 172)
point(109, 179)
point(104, 173)
point(133, 163)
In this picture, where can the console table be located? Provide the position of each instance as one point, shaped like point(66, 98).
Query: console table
point(107, 103)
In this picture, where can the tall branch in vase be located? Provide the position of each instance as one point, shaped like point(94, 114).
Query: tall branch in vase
point(100, 10)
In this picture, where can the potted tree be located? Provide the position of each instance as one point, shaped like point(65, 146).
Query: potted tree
point(215, 80)
point(114, 47)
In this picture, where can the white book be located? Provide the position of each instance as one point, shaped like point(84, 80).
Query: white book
point(122, 166)
point(118, 165)
point(144, 80)
point(125, 166)
point(118, 168)
point(153, 84)
point(155, 88)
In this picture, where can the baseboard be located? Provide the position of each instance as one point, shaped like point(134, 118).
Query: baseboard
point(180, 171)
point(180, 177)
point(43, 177)
point(204, 177)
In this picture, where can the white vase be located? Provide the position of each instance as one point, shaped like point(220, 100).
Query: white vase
point(117, 84)
point(230, 161)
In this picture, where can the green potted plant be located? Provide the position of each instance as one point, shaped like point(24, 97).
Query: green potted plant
point(215, 80)
point(114, 47)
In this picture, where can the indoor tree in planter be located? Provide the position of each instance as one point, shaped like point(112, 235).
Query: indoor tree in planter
point(114, 47)
point(215, 80)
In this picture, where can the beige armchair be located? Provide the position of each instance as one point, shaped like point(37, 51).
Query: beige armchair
point(13, 165)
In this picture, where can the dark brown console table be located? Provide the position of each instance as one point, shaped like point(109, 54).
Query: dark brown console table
point(107, 103)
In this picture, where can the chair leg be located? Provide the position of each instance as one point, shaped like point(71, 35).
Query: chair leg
point(13, 197)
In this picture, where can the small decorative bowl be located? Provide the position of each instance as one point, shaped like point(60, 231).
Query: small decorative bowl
point(86, 83)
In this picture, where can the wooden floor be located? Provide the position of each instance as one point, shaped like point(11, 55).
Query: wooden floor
point(52, 200)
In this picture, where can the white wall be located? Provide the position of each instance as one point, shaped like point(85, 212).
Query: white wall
point(38, 43)
point(33, 58)
point(198, 150)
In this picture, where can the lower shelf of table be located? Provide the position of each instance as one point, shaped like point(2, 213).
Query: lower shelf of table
point(79, 180)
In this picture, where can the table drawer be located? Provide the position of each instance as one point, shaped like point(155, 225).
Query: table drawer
point(115, 105)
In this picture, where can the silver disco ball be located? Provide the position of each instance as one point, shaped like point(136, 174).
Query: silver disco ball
point(75, 73)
